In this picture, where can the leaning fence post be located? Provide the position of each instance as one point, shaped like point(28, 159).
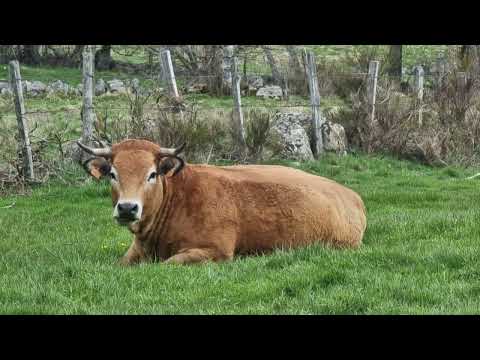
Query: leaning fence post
point(16, 81)
point(315, 102)
point(88, 114)
point(169, 75)
point(419, 80)
point(237, 108)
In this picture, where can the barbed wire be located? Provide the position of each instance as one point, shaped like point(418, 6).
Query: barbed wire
point(187, 78)
point(51, 111)
point(189, 108)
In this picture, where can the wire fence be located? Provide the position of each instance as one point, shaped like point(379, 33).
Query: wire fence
point(194, 91)
point(279, 68)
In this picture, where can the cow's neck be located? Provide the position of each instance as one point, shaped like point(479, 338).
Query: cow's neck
point(152, 231)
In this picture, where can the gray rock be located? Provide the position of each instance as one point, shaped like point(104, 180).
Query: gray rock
point(4, 85)
point(116, 86)
point(78, 90)
point(6, 92)
point(100, 87)
point(303, 118)
point(135, 84)
point(334, 138)
point(34, 88)
point(197, 88)
point(254, 81)
point(273, 91)
point(58, 87)
point(333, 134)
point(135, 88)
point(293, 137)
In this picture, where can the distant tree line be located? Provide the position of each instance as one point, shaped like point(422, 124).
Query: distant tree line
point(198, 60)
point(64, 55)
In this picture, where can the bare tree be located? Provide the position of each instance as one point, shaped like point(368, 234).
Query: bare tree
point(26, 54)
point(31, 55)
point(277, 77)
point(297, 73)
point(469, 56)
point(103, 58)
point(293, 60)
point(395, 61)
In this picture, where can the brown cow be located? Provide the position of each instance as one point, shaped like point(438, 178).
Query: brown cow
point(184, 213)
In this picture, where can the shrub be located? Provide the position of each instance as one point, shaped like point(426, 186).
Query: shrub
point(206, 134)
point(257, 132)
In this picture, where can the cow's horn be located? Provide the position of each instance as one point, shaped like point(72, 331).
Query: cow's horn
point(172, 151)
point(105, 152)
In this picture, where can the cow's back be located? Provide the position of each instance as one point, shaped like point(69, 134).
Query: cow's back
point(277, 206)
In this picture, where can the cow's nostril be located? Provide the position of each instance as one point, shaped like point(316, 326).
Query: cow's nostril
point(127, 209)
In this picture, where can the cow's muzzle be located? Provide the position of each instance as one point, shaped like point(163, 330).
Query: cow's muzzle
point(127, 212)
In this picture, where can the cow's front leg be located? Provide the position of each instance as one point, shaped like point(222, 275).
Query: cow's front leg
point(134, 254)
point(191, 256)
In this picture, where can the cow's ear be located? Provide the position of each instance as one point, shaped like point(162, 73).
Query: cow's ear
point(167, 164)
point(97, 167)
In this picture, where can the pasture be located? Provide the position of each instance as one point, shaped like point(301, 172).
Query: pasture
point(59, 247)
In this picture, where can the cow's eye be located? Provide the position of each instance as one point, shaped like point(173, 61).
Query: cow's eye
point(112, 176)
point(152, 176)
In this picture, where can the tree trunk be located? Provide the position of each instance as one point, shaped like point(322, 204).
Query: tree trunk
point(103, 58)
point(277, 77)
point(297, 75)
point(395, 62)
point(215, 69)
point(293, 61)
point(469, 56)
point(77, 55)
point(466, 51)
point(7, 53)
point(31, 55)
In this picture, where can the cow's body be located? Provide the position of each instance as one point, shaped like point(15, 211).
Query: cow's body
point(212, 213)
point(247, 209)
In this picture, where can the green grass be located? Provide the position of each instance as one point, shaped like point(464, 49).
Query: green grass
point(71, 76)
point(420, 254)
point(412, 54)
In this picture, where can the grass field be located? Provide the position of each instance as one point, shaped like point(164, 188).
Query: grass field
point(412, 55)
point(59, 246)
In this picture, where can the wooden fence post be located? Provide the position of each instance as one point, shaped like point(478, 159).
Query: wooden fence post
point(286, 91)
point(372, 89)
point(317, 119)
point(373, 67)
point(440, 71)
point(419, 80)
point(237, 109)
point(88, 114)
point(16, 81)
point(227, 66)
point(461, 81)
point(169, 75)
point(462, 90)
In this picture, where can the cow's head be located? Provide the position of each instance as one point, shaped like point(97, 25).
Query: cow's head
point(135, 168)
